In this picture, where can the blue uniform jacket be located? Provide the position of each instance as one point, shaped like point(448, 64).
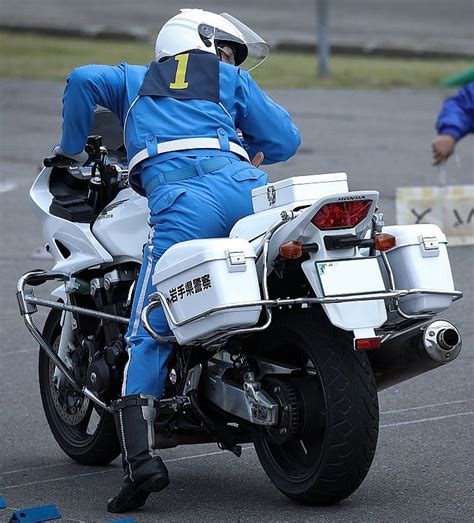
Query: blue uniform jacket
point(265, 125)
point(456, 118)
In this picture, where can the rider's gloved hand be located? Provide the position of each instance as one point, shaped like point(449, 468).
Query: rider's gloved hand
point(80, 158)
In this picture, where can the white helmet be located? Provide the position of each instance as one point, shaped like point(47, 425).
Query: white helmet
point(203, 30)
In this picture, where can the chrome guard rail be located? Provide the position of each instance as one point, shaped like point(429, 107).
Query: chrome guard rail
point(27, 303)
point(158, 299)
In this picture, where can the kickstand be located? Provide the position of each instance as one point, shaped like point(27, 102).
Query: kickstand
point(235, 449)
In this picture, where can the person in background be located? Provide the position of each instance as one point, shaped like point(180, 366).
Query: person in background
point(455, 120)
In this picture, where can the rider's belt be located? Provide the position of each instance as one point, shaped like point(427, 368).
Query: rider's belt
point(205, 166)
point(184, 144)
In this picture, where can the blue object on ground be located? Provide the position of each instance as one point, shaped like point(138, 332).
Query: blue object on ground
point(36, 514)
point(2, 503)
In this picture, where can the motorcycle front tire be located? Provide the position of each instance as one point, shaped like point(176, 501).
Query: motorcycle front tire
point(97, 447)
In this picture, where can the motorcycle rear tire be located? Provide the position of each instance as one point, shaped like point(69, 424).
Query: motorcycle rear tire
point(340, 447)
point(98, 448)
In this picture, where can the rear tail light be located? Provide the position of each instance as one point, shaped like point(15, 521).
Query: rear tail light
point(367, 343)
point(341, 215)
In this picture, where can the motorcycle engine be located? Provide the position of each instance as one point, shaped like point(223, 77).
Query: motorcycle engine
point(105, 371)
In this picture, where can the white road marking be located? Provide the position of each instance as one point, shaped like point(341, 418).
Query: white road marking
point(99, 472)
point(62, 478)
point(19, 351)
point(427, 406)
point(203, 455)
point(7, 186)
point(35, 468)
point(436, 418)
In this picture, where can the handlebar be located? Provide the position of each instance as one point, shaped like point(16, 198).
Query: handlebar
point(58, 161)
point(93, 148)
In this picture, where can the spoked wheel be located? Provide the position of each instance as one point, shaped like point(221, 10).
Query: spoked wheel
point(84, 431)
point(325, 440)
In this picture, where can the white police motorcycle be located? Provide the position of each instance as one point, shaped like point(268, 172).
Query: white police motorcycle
point(284, 332)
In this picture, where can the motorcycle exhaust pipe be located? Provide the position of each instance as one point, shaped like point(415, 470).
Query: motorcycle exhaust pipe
point(415, 352)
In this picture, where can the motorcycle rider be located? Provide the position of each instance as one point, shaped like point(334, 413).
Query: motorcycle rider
point(182, 116)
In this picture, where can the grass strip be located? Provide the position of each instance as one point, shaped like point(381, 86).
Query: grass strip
point(33, 56)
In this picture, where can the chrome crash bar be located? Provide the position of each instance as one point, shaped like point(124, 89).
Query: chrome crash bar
point(27, 303)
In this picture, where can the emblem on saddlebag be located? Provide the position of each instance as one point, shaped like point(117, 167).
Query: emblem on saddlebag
point(271, 194)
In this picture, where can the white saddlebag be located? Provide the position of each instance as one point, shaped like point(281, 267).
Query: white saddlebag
point(301, 189)
point(198, 275)
point(420, 261)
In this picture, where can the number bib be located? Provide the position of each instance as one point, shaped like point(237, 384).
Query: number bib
point(186, 76)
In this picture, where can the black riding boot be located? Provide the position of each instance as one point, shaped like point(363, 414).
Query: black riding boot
point(144, 470)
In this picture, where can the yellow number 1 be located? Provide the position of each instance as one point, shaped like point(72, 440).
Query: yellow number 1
point(179, 81)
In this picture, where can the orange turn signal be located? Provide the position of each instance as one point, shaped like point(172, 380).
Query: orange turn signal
point(291, 250)
point(384, 241)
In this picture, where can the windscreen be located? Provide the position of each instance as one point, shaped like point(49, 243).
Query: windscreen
point(257, 47)
point(107, 125)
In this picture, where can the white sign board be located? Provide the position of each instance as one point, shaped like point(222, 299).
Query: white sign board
point(450, 207)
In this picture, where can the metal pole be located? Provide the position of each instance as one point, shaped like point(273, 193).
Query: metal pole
point(322, 16)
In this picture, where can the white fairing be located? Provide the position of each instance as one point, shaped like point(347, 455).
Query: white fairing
point(256, 225)
point(60, 293)
point(122, 227)
point(85, 250)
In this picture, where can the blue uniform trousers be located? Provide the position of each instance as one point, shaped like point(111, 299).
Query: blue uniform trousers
point(203, 206)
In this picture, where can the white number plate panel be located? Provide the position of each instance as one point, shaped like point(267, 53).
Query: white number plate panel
point(355, 276)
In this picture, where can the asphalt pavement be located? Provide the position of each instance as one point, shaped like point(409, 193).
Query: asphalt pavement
point(423, 465)
point(424, 25)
